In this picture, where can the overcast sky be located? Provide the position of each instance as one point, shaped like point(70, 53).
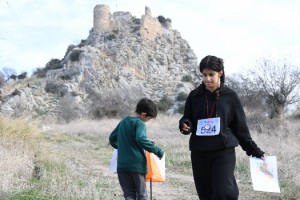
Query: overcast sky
point(239, 31)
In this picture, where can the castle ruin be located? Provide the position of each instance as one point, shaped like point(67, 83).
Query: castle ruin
point(103, 22)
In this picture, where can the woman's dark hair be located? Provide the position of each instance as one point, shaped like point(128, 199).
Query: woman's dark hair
point(216, 64)
point(147, 106)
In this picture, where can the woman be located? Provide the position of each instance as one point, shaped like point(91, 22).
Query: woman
point(216, 120)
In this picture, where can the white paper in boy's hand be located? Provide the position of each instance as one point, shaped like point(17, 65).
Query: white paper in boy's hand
point(113, 162)
point(264, 174)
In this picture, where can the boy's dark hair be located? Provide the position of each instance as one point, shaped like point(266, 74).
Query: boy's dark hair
point(147, 106)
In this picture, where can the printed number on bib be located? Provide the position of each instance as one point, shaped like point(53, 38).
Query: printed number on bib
point(208, 127)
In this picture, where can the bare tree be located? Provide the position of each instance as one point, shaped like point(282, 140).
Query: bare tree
point(279, 81)
point(251, 97)
point(2, 80)
point(8, 72)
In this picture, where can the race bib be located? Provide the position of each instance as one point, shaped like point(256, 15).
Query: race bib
point(208, 127)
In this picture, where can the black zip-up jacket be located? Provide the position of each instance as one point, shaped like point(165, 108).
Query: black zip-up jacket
point(233, 125)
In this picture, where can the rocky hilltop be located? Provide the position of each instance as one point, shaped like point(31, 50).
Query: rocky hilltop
point(123, 59)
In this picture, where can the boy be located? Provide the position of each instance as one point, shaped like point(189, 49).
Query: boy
point(129, 137)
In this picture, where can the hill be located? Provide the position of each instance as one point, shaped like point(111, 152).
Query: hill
point(123, 59)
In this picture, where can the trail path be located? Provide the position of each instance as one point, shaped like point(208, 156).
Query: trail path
point(87, 151)
point(84, 152)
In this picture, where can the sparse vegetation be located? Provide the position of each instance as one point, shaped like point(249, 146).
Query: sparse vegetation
point(53, 64)
point(187, 78)
point(165, 103)
point(164, 21)
point(111, 37)
point(74, 56)
point(18, 144)
point(2, 80)
point(182, 96)
point(73, 161)
point(68, 109)
point(115, 103)
point(56, 88)
point(180, 108)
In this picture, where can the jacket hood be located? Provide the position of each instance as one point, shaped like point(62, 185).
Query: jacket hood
point(198, 91)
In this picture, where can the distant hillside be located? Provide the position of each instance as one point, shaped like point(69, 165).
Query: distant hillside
point(123, 59)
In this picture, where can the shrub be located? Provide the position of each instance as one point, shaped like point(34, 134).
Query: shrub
point(180, 108)
point(82, 43)
point(114, 103)
point(165, 103)
point(16, 92)
point(182, 96)
point(51, 65)
point(54, 64)
point(40, 72)
point(68, 110)
point(187, 78)
point(65, 77)
point(74, 56)
point(56, 88)
point(111, 37)
point(69, 49)
point(164, 20)
point(2, 80)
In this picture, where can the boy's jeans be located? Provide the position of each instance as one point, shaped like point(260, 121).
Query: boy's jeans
point(133, 185)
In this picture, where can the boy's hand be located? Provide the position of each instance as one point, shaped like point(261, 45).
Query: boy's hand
point(159, 157)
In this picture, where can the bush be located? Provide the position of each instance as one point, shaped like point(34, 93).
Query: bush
point(182, 96)
point(164, 20)
point(165, 103)
point(56, 88)
point(2, 80)
point(74, 56)
point(296, 115)
point(111, 37)
point(51, 65)
point(54, 64)
point(82, 43)
point(68, 110)
point(180, 108)
point(40, 72)
point(114, 103)
point(16, 92)
point(187, 78)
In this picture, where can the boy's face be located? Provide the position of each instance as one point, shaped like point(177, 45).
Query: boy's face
point(145, 118)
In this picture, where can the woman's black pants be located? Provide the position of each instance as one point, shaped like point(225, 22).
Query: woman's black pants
point(214, 174)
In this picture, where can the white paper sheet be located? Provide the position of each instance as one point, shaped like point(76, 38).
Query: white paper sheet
point(264, 174)
point(113, 162)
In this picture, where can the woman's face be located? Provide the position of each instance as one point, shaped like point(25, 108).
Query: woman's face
point(211, 79)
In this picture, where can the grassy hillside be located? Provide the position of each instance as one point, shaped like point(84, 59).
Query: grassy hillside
point(70, 161)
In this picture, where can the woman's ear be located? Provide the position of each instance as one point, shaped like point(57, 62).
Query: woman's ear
point(221, 73)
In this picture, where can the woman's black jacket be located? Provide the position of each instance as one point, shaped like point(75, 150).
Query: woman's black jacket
point(233, 125)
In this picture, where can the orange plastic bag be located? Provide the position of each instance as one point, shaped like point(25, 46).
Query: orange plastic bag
point(156, 168)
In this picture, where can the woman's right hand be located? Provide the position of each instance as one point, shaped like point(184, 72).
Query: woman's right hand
point(185, 127)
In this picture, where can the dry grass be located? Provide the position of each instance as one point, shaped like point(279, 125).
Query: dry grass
point(17, 140)
point(73, 162)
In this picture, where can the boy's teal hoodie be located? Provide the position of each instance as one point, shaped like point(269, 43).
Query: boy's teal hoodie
point(130, 138)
